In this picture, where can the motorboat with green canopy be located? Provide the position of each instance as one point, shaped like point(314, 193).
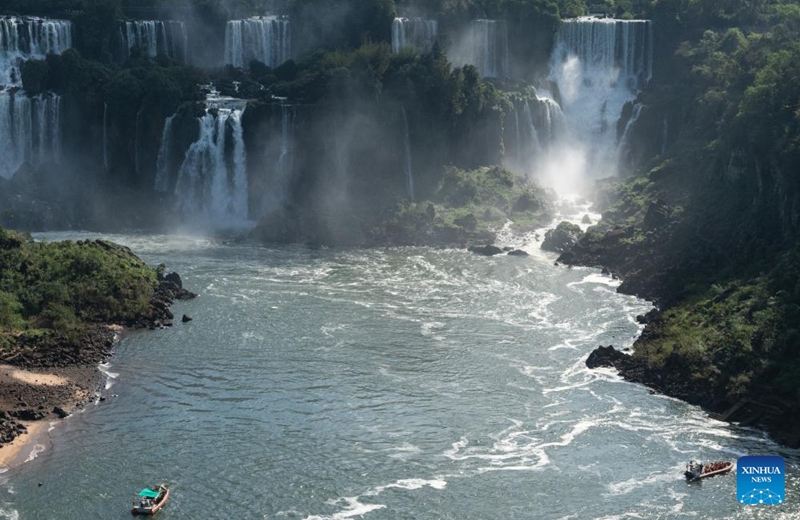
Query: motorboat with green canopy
point(149, 501)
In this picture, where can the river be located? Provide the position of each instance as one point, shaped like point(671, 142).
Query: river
point(408, 383)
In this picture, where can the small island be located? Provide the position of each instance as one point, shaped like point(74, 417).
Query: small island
point(62, 306)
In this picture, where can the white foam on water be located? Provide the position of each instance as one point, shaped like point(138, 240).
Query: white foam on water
point(428, 330)
point(597, 278)
point(9, 514)
point(353, 509)
point(37, 449)
point(105, 369)
point(410, 484)
point(632, 484)
point(404, 451)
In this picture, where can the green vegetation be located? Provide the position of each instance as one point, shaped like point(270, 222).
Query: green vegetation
point(710, 228)
point(66, 285)
point(470, 205)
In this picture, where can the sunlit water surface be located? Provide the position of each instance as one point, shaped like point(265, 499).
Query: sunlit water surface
point(382, 384)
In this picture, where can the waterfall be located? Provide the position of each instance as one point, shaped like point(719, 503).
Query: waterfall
point(637, 111)
point(25, 38)
point(538, 123)
point(266, 39)
point(536, 143)
point(414, 33)
point(212, 181)
point(489, 44)
point(600, 64)
point(29, 130)
point(409, 171)
point(285, 159)
point(154, 37)
point(163, 161)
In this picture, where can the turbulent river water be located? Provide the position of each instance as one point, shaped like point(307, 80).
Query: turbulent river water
point(382, 384)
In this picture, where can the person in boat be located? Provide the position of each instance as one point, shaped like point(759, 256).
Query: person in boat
point(694, 468)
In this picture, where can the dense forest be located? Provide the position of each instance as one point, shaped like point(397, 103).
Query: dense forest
point(351, 141)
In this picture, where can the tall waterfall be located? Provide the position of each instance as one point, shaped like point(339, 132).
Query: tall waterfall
point(266, 39)
point(489, 45)
point(212, 182)
point(408, 165)
point(154, 37)
point(532, 128)
point(598, 65)
point(29, 130)
point(414, 33)
point(24, 38)
point(163, 161)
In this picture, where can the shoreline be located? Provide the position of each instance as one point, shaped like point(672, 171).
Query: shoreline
point(48, 381)
point(16, 453)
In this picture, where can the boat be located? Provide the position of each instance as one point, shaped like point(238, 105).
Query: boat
point(696, 471)
point(149, 501)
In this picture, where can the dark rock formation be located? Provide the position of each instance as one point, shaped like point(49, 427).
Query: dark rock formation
point(518, 252)
point(487, 250)
point(175, 278)
point(563, 237)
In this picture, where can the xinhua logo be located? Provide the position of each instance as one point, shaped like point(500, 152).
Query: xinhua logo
point(761, 480)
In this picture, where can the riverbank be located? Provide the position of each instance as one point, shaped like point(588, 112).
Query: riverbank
point(723, 335)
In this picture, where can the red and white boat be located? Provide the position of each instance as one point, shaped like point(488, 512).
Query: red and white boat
point(696, 471)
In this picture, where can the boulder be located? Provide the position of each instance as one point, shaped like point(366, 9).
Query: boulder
point(487, 250)
point(60, 412)
point(562, 238)
point(175, 278)
point(586, 219)
point(518, 252)
point(186, 318)
point(608, 357)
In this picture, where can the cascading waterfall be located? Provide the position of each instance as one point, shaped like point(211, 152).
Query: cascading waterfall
point(489, 44)
point(154, 37)
point(414, 33)
point(408, 165)
point(163, 161)
point(212, 181)
point(537, 123)
point(29, 130)
point(24, 38)
point(265, 38)
point(624, 140)
point(599, 65)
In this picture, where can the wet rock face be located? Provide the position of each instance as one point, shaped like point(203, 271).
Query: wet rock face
point(562, 238)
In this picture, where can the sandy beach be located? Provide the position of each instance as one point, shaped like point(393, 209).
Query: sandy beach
point(35, 398)
point(20, 449)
